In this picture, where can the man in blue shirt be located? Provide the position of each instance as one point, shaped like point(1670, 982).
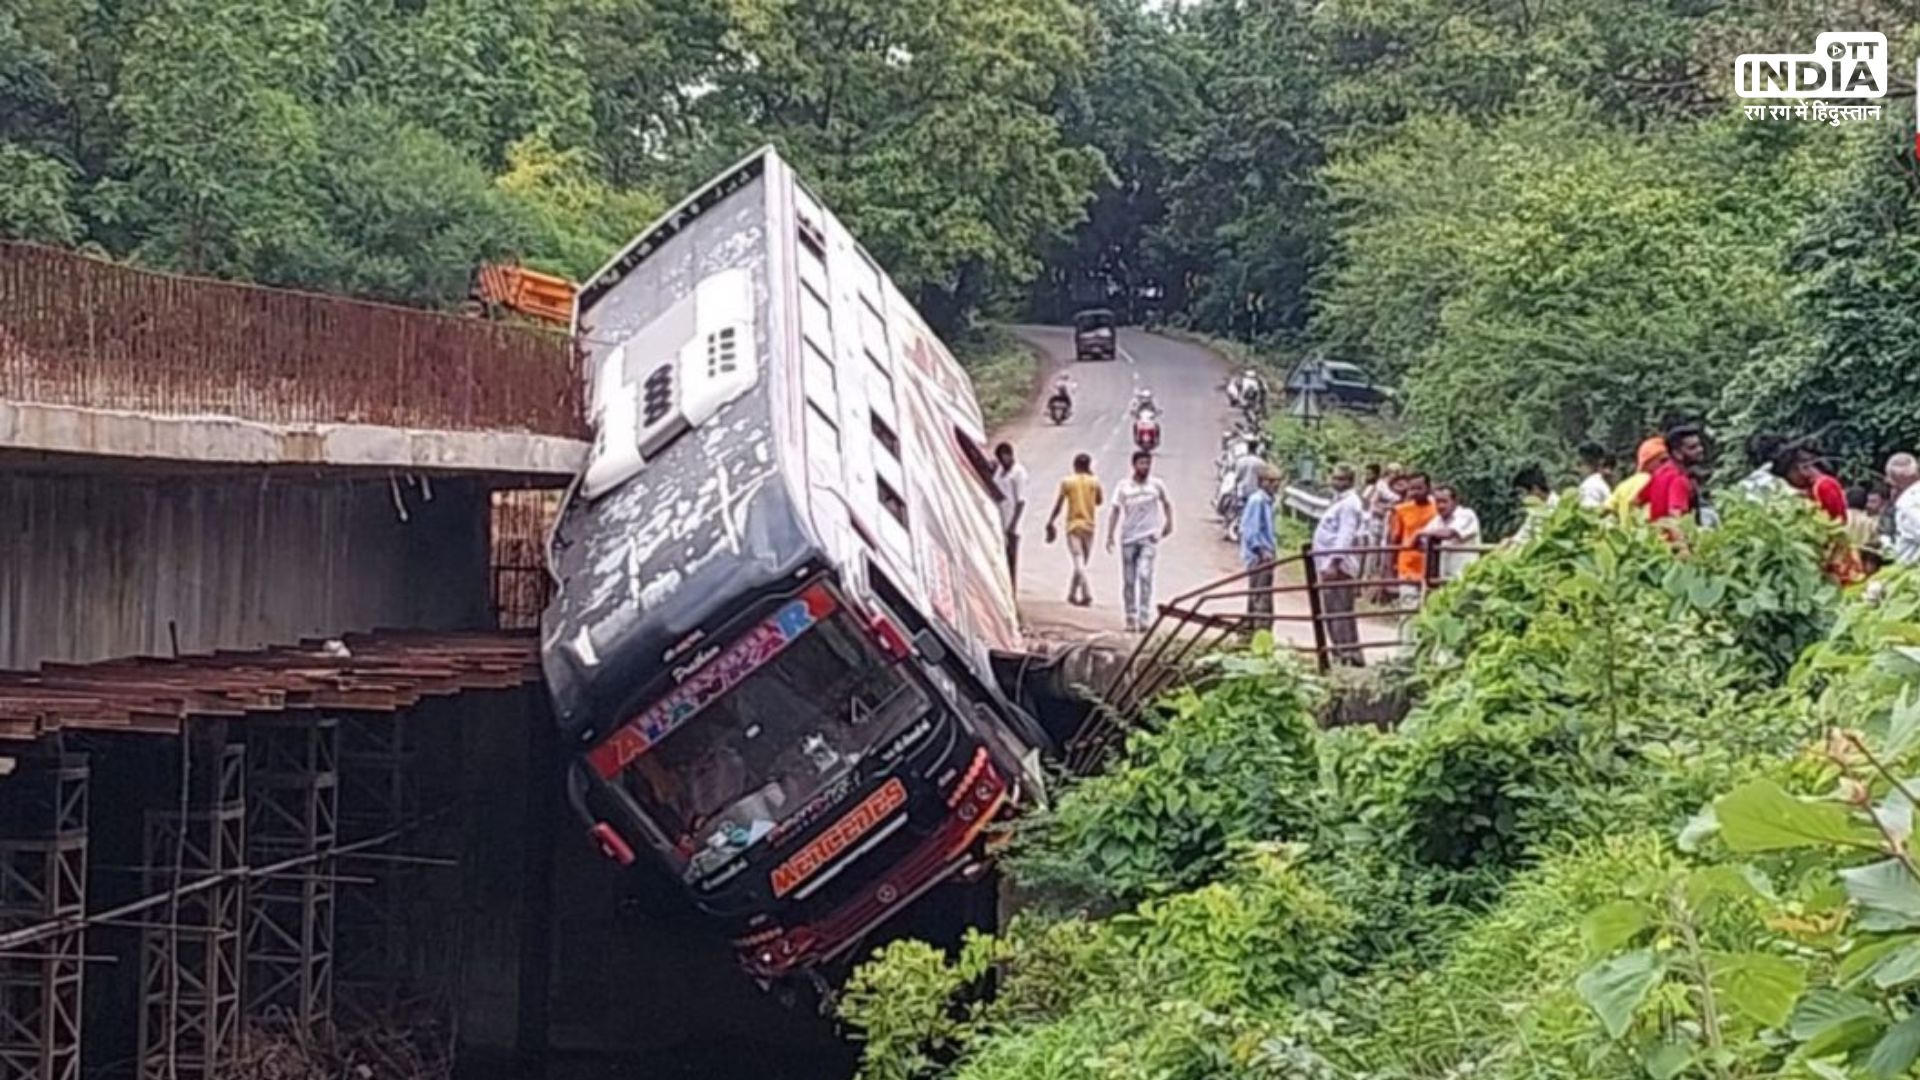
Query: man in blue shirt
point(1257, 549)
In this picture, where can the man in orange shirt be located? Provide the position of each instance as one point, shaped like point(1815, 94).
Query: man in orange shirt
point(1412, 514)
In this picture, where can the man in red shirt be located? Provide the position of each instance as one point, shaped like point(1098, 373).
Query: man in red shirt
point(1800, 467)
point(1674, 490)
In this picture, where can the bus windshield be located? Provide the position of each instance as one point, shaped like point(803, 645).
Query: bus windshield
point(726, 778)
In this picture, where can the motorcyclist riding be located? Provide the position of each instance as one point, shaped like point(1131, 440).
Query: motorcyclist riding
point(1063, 388)
point(1143, 402)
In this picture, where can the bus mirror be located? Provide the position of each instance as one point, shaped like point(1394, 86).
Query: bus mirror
point(928, 645)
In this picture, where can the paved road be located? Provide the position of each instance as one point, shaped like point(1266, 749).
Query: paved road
point(1187, 381)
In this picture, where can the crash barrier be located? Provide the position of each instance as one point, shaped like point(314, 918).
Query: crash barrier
point(1303, 504)
point(1234, 608)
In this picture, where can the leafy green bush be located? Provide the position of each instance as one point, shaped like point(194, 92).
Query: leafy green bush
point(1517, 883)
point(1232, 765)
point(1171, 988)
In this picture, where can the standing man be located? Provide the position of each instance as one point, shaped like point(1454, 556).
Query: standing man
point(1411, 515)
point(1798, 467)
point(1142, 517)
point(1674, 490)
point(1258, 546)
point(1080, 494)
point(1626, 497)
point(1764, 450)
point(1903, 476)
point(1339, 530)
point(1247, 469)
point(1010, 479)
point(1452, 524)
point(1538, 500)
point(1597, 484)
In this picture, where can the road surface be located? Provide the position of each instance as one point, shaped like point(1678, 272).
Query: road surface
point(1188, 383)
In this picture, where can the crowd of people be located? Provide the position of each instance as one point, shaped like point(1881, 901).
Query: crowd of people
point(1391, 532)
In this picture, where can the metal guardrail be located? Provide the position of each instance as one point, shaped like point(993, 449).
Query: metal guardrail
point(1304, 504)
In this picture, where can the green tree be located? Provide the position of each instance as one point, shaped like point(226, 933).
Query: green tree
point(36, 202)
point(216, 142)
point(1847, 370)
point(927, 124)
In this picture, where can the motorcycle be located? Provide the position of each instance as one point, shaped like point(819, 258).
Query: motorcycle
point(1146, 430)
point(1226, 503)
point(1059, 407)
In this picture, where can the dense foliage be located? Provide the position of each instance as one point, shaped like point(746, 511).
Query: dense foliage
point(1648, 817)
point(385, 147)
point(1547, 222)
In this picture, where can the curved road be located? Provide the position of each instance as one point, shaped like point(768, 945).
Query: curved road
point(1188, 382)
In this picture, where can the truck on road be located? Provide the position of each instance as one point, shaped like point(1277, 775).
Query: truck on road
point(781, 603)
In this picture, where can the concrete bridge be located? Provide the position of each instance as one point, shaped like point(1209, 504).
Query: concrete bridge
point(275, 767)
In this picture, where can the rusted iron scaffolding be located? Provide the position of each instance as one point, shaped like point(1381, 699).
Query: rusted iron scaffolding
point(191, 963)
point(292, 807)
point(43, 875)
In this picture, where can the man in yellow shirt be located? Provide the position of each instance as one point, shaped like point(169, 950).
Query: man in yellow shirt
point(1625, 498)
point(1081, 496)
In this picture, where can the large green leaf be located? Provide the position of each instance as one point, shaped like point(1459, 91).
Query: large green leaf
point(1895, 1051)
point(1610, 926)
point(1823, 1009)
point(1761, 985)
point(1615, 988)
point(1886, 893)
point(1667, 1060)
point(1903, 725)
point(1900, 967)
point(1759, 816)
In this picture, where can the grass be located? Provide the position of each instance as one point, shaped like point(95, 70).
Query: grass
point(1004, 370)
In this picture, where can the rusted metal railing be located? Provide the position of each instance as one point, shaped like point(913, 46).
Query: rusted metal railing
point(1198, 621)
point(82, 332)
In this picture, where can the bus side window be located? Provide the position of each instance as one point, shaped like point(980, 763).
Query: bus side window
point(982, 465)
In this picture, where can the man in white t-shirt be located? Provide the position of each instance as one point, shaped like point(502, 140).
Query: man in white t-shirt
point(1595, 485)
point(1453, 525)
point(1142, 517)
point(1010, 479)
point(1903, 475)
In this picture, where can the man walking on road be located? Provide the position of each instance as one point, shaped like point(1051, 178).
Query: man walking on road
point(1010, 479)
point(1258, 546)
point(1339, 530)
point(1142, 517)
point(1080, 495)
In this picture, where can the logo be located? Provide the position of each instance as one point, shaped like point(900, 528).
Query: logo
point(905, 740)
point(1849, 64)
point(839, 836)
point(754, 650)
point(682, 672)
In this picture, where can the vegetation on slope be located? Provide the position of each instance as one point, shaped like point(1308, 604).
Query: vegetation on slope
point(1648, 817)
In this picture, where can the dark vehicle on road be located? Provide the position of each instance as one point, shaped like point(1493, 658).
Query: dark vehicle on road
point(781, 600)
point(1094, 335)
point(1339, 384)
